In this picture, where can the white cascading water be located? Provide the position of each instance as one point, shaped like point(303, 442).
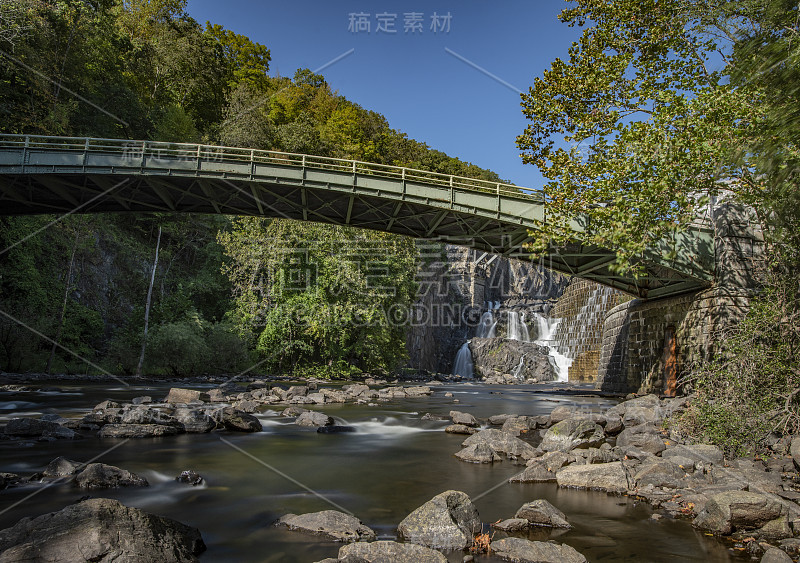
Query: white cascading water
point(557, 354)
point(517, 329)
point(463, 363)
point(486, 326)
point(517, 373)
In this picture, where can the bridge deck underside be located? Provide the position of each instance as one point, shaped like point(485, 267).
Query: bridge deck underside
point(488, 222)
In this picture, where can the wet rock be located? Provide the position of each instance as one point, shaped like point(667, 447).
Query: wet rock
point(356, 389)
point(317, 398)
point(257, 384)
point(464, 418)
point(61, 467)
point(332, 524)
point(335, 429)
point(542, 513)
point(100, 530)
point(236, 421)
point(535, 472)
point(190, 477)
point(143, 400)
point(418, 391)
point(526, 551)
point(180, 395)
point(775, 555)
point(388, 552)
point(460, 429)
point(217, 396)
point(314, 418)
point(107, 404)
point(296, 391)
point(447, 521)
point(247, 406)
point(732, 511)
point(292, 412)
point(146, 415)
point(478, 453)
point(500, 419)
point(644, 437)
point(334, 396)
point(572, 433)
point(9, 480)
point(136, 431)
point(502, 442)
point(511, 525)
point(195, 421)
point(36, 428)
point(101, 476)
point(610, 477)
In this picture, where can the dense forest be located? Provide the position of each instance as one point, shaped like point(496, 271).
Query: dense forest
point(73, 290)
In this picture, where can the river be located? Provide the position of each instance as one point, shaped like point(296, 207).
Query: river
point(392, 464)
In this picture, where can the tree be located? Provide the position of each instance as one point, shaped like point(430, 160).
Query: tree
point(247, 62)
point(638, 126)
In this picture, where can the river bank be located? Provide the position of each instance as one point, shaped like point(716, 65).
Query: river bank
point(397, 459)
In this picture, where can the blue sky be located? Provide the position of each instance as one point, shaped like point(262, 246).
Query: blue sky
point(424, 81)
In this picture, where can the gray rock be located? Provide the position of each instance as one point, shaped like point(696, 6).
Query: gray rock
point(9, 480)
point(460, 429)
point(101, 476)
point(510, 525)
point(525, 551)
point(314, 418)
point(535, 472)
point(794, 450)
point(738, 510)
point(613, 425)
point(610, 477)
point(561, 413)
point(542, 513)
point(103, 531)
point(195, 421)
point(775, 555)
point(332, 524)
point(107, 404)
point(190, 477)
point(146, 415)
point(502, 442)
point(499, 356)
point(572, 433)
point(517, 425)
point(236, 421)
point(464, 418)
point(356, 389)
point(636, 415)
point(180, 395)
point(447, 521)
point(659, 473)
point(700, 452)
point(644, 437)
point(136, 431)
point(34, 428)
point(248, 406)
point(500, 419)
point(292, 412)
point(296, 391)
point(478, 453)
point(388, 552)
point(143, 400)
point(61, 467)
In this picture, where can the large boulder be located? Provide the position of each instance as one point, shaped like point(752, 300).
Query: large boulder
point(61, 467)
point(37, 428)
point(447, 521)
point(517, 425)
point(195, 421)
point(732, 511)
point(500, 356)
point(644, 437)
point(180, 395)
point(236, 421)
point(335, 525)
point(502, 442)
point(610, 477)
point(314, 418)
point(137, 430)
point(572, 433)
point(103, 531)
point(464, 418)
point(101, 476)
point(542, 513)
point(519, 550)
point(388, 552)
point(700, 452)
point(143, 414)
point(660, 472)
point(478, 453)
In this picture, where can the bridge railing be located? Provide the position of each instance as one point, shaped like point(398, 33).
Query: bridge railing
point(139, 150)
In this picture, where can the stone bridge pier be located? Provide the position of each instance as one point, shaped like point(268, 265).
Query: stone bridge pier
point(647, 343)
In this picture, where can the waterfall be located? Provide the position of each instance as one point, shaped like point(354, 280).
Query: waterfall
point(518, 370)
point(557, 355)
point(517, 329)
point(486, 326)
point(463, 362)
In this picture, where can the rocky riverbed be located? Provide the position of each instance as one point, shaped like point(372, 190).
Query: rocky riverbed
point(433, 472)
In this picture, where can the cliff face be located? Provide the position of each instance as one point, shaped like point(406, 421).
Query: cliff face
point(500, 357)
point(457, 284)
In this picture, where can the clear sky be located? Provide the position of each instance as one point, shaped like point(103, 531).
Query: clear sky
point(451, 82)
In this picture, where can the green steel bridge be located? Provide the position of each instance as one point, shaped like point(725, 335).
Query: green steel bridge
point(63, 175)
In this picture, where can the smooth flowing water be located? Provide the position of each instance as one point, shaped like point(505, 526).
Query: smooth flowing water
point(392, 464)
